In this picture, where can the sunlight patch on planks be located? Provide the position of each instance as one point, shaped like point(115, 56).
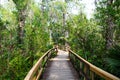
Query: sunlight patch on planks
point(58, 59)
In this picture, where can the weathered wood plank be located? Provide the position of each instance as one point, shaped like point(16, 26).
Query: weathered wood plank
point(60, 68)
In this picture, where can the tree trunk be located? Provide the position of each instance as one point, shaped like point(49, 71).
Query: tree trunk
point(65, 31)
point(64, 23)
point(109, 28)
point(109, 33)
point(21, 26)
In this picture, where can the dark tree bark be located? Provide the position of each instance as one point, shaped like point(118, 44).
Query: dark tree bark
point(21, 26)
point(21, 7)
point(109, 28)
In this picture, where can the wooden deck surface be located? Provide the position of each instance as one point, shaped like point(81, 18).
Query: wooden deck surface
point(60, 68)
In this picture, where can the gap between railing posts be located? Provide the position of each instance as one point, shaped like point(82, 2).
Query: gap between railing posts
point(36, 71)
point(88, 71)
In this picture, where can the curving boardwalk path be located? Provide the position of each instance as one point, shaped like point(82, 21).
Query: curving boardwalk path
point(60, 68)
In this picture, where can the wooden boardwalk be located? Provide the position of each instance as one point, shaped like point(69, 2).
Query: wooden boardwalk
point(60, 68)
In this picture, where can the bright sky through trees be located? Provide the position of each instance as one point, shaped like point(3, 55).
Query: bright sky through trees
point(89, 7)
point(3, 1)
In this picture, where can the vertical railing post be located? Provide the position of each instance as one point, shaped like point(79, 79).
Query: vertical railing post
point(80, 65)
point(85, 70)
point(69, 54)
point(92, 75)
point(74, 60)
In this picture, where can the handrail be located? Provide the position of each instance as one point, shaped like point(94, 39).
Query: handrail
point(37, 69)
point(88, 70)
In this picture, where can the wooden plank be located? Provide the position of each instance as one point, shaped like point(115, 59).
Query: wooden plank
point(60, 68)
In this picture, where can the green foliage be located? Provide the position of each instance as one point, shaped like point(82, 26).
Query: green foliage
point(44, 26)
point(108, 9)
point(113, 60)
point(19, 67)
point(20, 4)
point(15, 62)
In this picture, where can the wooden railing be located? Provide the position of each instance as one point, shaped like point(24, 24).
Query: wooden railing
point(37, 69)
point(88, 71)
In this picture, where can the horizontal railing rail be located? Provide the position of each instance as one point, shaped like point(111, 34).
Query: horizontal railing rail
point(37, 69)
point(88, 71)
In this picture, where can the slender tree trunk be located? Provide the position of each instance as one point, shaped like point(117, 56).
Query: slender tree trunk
point(21, 25)
point(22, 17)
point(109, 33)
point(109, 29)
point(64, 23)
point(65, 31)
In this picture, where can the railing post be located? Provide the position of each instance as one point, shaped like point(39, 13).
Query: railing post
point(69, 54)
point(91, 75)
point(74, 60)
point(85, 72)
point(80, 65)
point(49, 55)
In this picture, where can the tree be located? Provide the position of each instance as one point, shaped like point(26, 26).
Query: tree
point(21, 6)
point(110, 26)
point(107, 11)
point(107, 16)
